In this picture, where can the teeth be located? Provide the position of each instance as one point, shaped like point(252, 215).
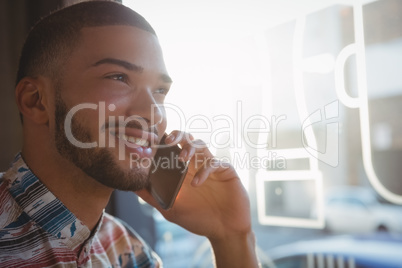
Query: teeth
point(142, 142)
point(137, 141)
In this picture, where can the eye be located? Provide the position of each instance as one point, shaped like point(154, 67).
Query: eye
point(163, 91)
point(118, 77)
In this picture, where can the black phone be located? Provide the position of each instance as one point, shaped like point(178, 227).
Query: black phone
point(167, 174)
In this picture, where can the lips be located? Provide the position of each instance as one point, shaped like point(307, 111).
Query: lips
point(136, 142)
point(133, 140)
point(135, 136)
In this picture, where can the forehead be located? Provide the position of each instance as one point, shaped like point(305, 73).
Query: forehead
point(121, 42)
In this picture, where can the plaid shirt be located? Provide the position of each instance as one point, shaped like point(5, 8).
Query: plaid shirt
point(37, 230)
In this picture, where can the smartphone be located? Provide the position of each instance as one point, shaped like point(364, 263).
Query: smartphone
point(167, 174)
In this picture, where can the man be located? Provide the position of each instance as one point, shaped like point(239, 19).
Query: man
point(83, 71)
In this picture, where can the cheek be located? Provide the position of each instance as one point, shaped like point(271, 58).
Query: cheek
point(87, 118)
point(115, 106)
point(162, 127)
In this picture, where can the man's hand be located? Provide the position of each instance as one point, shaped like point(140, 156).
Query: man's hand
point(213, 203)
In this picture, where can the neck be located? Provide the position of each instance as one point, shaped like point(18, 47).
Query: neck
point(82, 195)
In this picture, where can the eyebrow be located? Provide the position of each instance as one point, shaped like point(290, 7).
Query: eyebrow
point(125, 64)
point(130, 66)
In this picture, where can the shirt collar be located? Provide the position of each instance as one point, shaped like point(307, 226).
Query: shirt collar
point(43, 207)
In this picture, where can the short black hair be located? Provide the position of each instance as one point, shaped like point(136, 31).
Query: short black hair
point(53, 38)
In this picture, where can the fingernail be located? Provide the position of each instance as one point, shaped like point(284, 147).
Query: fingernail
point(169, 138)
point(183, 155)
point(195, 181)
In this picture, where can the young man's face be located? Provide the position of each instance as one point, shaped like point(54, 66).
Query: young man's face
point(113, 89)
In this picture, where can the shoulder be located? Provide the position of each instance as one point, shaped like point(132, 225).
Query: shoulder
point(9, 209)
point(113, 229)
point(116, 236)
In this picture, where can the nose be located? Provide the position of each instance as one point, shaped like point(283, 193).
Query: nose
point(145, 106)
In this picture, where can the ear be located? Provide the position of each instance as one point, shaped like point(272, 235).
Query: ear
point(31, 100)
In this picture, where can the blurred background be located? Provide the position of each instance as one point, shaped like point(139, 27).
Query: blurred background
point(303, 97)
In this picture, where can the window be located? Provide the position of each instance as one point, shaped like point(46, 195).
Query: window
point(314, 92)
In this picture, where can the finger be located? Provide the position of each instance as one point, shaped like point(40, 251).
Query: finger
point(189, 146)
point(195, 147)
point(209, 167)
point(178, 137)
